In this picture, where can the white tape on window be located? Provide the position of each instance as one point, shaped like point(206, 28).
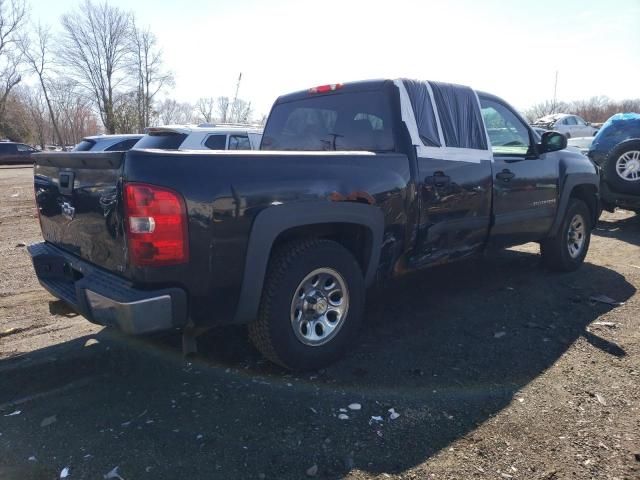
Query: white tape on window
point(439, 153)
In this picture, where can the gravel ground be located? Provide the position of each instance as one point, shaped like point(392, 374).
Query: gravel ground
point(496, 367)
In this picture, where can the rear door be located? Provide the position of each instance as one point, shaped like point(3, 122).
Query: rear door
point(79, 204)
point(454, 171)
point(525, 184)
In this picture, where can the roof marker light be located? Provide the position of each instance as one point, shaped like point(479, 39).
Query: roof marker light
point(325, 88)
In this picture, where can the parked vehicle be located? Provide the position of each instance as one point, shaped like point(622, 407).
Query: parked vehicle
point(13, 152)
point(569, 125)
point(583, 144)
point(539, 130)
point(616, 150)
point(206, 136)
point(359, 183)
point(108, 143)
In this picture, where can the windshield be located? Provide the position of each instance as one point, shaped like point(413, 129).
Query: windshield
point(350, 121)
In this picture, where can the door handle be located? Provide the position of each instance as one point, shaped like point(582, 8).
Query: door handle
point(439, 179)
point(505, 175)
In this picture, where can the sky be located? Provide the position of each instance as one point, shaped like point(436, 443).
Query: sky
point(509, 48)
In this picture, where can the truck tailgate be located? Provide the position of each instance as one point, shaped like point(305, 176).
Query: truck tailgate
point(79, 203)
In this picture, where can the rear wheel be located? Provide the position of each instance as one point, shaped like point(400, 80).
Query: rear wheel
point(311, 305)
point(566, 251)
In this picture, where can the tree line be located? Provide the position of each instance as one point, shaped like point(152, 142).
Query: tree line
point(101, 72)
point(594, 110)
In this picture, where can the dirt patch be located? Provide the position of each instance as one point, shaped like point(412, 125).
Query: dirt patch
point(497, 368)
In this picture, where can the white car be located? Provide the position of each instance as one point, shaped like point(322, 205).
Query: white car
point(569, 125)
point(205, 136)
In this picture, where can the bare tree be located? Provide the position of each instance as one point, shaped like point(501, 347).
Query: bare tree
point(74, 110)
point(151, 76)
point(126, 113)
point(594, 109)
point(222, 108)
point(172, 112)
point(206, 107)
point(38, 114)
point(94, 50)
point(13, 16)
point(542, 109)
point(240, 111)
point(37, 56)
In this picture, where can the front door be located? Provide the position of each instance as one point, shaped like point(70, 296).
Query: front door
point(525, 185)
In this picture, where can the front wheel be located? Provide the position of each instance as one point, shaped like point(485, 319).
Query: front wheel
point(311, 305)
point(565, 251)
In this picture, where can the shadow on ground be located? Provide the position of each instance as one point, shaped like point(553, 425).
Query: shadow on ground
point(447, 348)
point(626, 229)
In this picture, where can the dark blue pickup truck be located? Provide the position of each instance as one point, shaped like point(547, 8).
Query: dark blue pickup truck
point(355, 184)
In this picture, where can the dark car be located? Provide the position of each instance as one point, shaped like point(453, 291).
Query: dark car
point(12, 152)
point(355, 184)
point(616, 150)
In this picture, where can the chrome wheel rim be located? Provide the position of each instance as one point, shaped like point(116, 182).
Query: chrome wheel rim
point(576, 236)
point(628, 166)
point(319, 307)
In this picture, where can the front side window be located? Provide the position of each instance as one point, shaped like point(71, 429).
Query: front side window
point(239, 142)
point(570, 121)
point(216, 142)
point(350, 121)
point(508, 134)
point(24, 148)
point(580, 121)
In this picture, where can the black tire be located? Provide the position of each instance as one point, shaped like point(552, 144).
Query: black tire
point(555, 250)
point(273, 332)
point(612, 178)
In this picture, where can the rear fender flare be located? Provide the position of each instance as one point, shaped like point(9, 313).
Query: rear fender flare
point(273, 221)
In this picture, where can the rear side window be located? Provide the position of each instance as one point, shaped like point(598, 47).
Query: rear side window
point(423, 111)
point(239, 142)
point(349, 121)
point(123, 146)
point(460, 116)
point(216, 142)
point(84, 146)
point(162, 140)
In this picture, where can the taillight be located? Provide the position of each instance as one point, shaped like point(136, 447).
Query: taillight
point(156, 224)
point(325, 88)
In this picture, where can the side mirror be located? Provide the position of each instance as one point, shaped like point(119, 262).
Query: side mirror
point(552, 142)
